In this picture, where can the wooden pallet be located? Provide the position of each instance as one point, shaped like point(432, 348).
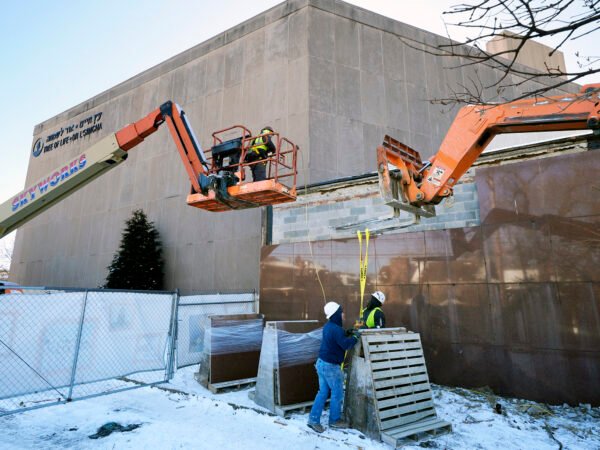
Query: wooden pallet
point(230, 385)
point(402, 394)
point(416, 431)
point(300, 408)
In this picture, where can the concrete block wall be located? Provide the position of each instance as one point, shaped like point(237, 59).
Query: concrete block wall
point(319, 216)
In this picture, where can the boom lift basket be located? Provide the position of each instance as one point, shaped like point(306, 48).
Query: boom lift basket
point(279, 187)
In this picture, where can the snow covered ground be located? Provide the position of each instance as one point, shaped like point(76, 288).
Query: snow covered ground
point(182, 414)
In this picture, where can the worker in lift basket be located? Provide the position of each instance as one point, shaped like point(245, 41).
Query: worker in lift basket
point(262, 146)
point(373, 316)
point(331, 378)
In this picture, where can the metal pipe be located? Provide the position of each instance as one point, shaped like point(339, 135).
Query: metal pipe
point(77, 347)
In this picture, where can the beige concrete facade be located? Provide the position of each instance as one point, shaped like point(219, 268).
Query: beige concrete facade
point(332, 77)
point(533, 54)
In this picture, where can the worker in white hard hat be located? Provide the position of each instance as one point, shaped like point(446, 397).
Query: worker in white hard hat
point(331, 378)
point(373, 316)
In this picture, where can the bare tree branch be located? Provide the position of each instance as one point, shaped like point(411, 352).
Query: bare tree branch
point(519, 21)
point(6, 252)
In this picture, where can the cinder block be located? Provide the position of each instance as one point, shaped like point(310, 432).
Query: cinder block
point(455, 224)
point(467, 215)
point(295, 234)
point(472, 205)
point(463, 196)
point(430, 226)
point(342, 221)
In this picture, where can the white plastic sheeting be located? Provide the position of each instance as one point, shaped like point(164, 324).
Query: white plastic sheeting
point(193, 309)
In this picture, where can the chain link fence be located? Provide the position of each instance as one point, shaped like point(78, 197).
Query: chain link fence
point(58, 345)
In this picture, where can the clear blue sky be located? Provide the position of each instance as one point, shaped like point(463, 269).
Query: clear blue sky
point(58, 54)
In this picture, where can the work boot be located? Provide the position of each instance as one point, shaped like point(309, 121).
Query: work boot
point(316, 427)
point(339, 425)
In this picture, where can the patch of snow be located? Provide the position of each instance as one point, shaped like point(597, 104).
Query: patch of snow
point(182, 414)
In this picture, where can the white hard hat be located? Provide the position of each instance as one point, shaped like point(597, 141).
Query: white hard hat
point(330, 309)
point(379, 296)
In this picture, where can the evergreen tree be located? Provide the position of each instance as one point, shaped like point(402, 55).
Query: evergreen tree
point(138, 264)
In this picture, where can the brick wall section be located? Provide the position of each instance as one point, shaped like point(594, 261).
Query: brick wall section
point(317, 215)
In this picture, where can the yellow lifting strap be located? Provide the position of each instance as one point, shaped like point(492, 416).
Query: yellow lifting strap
point(363, 276)
point(364, 262)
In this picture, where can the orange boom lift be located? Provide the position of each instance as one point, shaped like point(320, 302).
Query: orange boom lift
point(408, 183)
point(213, 187)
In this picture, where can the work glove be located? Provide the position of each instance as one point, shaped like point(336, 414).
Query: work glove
point(349, 332)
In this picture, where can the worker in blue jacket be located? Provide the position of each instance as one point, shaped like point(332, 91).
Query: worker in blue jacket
point(331, 379)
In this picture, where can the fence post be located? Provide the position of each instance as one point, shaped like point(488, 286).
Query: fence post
point(77, 347)
point(173, 336)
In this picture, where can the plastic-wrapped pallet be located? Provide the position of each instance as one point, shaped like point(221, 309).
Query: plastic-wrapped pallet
point(287, 379)
point(231, 349)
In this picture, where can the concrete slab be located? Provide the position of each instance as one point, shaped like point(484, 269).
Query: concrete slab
point(348, 98)
point(322, 83)
point(347, 43)
point(371, 50)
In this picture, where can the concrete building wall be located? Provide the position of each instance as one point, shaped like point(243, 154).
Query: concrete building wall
point(252, 75)
point(332, 77)
point(533, 54)
point(369, 76)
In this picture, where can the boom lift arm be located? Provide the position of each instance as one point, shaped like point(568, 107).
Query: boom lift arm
point(210, 186)
point(416, 186)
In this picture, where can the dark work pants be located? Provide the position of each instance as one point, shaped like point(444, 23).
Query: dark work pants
point(259, 171)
